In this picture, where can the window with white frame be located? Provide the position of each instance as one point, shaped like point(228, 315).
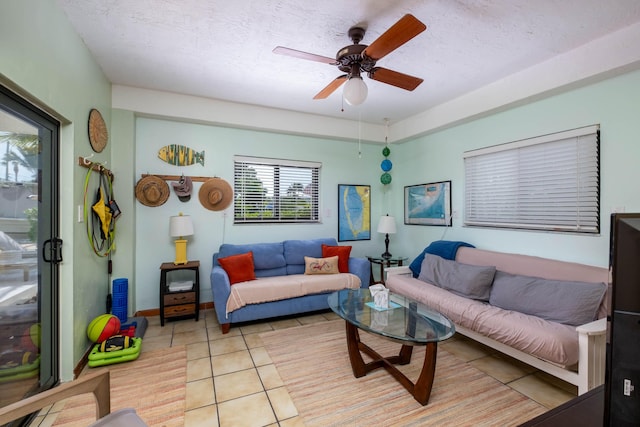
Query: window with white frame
point(275, 190)
point(551, 183)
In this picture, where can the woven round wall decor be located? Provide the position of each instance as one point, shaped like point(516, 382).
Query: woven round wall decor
point(98, 134)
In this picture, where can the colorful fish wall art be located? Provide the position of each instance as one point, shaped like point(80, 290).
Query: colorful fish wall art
point(179, 155)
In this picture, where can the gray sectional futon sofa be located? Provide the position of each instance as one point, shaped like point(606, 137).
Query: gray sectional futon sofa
point(549, 314)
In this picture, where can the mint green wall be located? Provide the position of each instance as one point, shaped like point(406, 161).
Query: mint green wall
point(44, 59)
point(435, 157)
point(614, 104)
point(123, 125)
point(340, 165)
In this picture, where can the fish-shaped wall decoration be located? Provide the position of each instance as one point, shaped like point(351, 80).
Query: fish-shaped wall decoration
point(179, 155)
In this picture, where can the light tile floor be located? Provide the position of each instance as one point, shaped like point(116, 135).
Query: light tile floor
point(232, 382)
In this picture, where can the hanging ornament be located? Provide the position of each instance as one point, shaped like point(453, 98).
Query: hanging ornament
point(386, 166)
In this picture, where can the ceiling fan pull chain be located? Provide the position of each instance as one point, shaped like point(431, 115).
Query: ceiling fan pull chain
point(359, 134)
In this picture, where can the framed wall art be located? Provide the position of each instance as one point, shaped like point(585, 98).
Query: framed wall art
point(354, 212)
point(428, 204)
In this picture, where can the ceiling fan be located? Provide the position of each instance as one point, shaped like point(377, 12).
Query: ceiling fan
point(360, 58)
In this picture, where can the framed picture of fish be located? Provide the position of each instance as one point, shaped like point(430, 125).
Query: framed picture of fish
point(179, 155)
point(428, 204)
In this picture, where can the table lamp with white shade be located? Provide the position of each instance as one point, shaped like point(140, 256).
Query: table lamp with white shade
point(386, 226)
point(181, 226)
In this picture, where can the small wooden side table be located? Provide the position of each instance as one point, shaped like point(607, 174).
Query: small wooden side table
point(179, 304)
point(384, 262)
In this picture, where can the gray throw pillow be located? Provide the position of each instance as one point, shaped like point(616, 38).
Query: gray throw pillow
point(471, 281)
point(571, 303)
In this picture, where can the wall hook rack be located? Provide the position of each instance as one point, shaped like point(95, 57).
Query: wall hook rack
point(97, 167)
point(177, 177)
point(85, 159)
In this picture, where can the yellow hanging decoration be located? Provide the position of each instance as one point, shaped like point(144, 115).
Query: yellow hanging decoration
point(104, 214)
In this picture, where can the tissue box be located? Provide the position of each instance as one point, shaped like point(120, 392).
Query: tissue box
point(380, 295)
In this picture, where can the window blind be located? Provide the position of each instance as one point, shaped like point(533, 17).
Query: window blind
point(550, 183)
point(275, 190)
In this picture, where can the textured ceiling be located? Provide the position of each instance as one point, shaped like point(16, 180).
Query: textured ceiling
point(222, 49)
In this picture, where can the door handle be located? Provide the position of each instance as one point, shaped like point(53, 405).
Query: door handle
point(54, 248)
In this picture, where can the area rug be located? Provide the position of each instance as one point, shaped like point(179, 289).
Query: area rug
point(154, 384)
point(314, 364)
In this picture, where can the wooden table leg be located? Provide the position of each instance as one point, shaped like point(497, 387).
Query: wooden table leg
point(353, 340)
point(420, 390)
point(404, 358)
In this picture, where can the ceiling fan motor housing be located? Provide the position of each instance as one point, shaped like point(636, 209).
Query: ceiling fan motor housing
point(352, 54)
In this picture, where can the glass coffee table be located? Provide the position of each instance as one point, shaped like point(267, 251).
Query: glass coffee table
point(406, 322)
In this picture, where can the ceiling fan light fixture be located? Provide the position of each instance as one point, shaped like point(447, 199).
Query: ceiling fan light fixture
point(355, 91)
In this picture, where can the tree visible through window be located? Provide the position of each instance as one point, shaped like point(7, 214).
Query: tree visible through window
point(275, 190)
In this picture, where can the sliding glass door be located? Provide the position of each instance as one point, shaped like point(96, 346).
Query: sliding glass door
point(29, 249)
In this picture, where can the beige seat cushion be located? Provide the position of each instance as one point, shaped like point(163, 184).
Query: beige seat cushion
point(550, 341)
point(277, 288)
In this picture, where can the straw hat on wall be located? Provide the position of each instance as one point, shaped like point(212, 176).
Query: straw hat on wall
point(215, 194)
point(152, 191)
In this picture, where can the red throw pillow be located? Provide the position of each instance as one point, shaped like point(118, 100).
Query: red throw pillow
point(239, 267)
point(343, 253)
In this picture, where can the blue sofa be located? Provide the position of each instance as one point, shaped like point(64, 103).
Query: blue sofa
point(275, 259)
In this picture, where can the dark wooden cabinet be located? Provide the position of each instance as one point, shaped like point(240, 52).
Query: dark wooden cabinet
point(183, 303)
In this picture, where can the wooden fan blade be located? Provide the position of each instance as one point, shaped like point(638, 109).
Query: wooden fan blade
point(303, 55)
point(331, 87)
point(394, 78)
point(401, 32)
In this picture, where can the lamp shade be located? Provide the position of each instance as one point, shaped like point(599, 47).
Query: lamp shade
point(387, 225)
point(355, 91)
point(180, 225)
